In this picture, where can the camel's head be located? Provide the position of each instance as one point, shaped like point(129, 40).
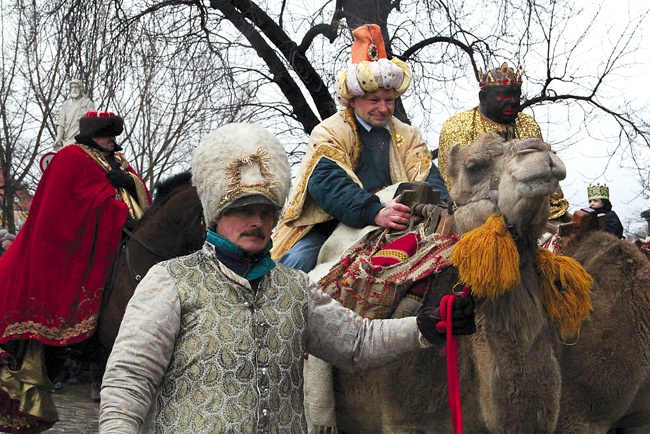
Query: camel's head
point(514, 178)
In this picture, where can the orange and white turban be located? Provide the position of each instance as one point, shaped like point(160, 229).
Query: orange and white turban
point(370, 69)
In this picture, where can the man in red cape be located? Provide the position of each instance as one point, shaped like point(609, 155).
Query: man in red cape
point(53, 276)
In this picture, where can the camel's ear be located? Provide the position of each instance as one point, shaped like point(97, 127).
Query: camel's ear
point(452, 169)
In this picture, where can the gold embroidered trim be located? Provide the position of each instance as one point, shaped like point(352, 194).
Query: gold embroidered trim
point(356, 146)
point(234, 188)
point(391, 253)
point(15, 422)
point(136, 205)
point(63, 334)
point(324, 149)
point(559, 207)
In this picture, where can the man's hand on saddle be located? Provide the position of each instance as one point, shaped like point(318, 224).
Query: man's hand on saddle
point(462, 320)
point(394, 215)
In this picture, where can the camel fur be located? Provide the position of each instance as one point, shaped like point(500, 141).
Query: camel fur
point(515, 374)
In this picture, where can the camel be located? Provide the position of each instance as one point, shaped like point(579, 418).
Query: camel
point(517, 374)
point(606, 374)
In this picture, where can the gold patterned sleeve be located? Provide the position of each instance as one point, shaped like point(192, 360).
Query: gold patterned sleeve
point(527, 127)
point(141, 354)
point(344, 339)
point(444, 145)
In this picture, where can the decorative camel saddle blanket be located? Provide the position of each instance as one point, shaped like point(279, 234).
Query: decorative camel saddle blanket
point(373, 276)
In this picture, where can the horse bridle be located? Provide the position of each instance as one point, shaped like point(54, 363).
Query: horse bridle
point(127, 256)
point(162, 257)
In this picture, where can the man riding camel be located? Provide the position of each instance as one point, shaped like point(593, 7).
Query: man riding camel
point(53, 276)
point(353, 154)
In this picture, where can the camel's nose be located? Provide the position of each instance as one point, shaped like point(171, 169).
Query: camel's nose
point(557, 166)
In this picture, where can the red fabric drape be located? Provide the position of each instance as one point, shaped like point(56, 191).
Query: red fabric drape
point(52, 277)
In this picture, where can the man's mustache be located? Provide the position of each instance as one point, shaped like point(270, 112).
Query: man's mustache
point(253, 233)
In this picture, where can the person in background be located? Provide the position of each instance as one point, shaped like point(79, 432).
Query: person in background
point(7, 240)
point(353, 154)
point(214, 342)
point(598, 196)
point(3, 232)
point(54, 274)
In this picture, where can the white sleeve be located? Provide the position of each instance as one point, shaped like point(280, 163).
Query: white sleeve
point(141, 354)
point(344, 339)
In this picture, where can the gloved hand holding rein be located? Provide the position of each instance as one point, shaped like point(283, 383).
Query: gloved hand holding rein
point(462, 320)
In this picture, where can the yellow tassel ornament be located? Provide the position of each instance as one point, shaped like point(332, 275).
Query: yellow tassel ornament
point(487, 258)
point(569, 304)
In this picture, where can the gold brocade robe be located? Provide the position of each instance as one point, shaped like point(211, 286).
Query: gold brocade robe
point(336, 138)
point(465, 127)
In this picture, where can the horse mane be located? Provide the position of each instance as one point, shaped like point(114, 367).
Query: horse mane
point(164, 188)
point(163, 191)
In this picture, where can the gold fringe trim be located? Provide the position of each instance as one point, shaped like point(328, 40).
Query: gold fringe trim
point(487, 258)
point(570, 303)
point(234, 187)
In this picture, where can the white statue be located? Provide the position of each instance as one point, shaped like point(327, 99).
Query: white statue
point(73, 109)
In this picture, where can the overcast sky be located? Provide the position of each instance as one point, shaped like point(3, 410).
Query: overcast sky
point(591, 160)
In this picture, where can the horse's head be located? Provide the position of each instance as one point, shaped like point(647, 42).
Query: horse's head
point(175, 215)
point(513, 178)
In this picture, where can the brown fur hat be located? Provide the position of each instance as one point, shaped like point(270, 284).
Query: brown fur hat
point(101, 124)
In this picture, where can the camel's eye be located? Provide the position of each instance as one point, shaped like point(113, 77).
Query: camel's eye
point(478, 163)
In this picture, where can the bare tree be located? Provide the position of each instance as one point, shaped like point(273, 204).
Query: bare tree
point(176, 68)
point(169, 86)
point(22, 96)
point(298, 47)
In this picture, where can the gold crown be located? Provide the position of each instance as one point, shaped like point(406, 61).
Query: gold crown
point(598, 191)
point(502, 76)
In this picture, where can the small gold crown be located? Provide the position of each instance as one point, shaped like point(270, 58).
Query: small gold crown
point(502, 76)
point(598, 191)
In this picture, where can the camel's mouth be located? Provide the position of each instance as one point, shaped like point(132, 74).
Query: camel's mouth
point(537, 169)
point(533, 188)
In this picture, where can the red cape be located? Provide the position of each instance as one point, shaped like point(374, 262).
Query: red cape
point(52, 276)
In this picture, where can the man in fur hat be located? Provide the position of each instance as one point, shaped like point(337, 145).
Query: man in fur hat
point(353, 154)
point(53, 276)
point(498, 111)
point(214, 342)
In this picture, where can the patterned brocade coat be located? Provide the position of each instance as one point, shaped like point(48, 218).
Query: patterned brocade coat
point(200, 352)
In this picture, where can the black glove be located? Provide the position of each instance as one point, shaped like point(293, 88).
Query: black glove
point(462, 320)
point(130, 223)
point(119, 178)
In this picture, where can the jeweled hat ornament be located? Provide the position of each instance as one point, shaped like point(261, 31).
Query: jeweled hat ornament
point(370, 69)
point(597, 191)
point(501, 76)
